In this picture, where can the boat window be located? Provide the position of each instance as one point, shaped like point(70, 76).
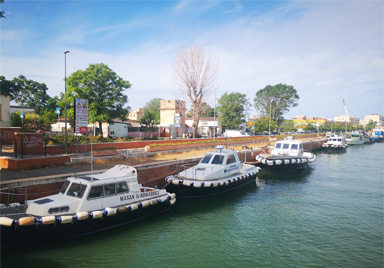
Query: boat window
point(278, 145)
point(338, 139)
point(96, 191)
point(206, 159)
point(76, 190)
point(64, 187)
point(301, 146)
point(218, 159)
point(231, 159)
point(122, 187)
point(110, 189)
point(285, 145)
point(58, 209)
point(294, 146)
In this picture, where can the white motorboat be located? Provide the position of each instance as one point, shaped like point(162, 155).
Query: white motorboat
point(287, 155)
point(85, 205)
point(335, 143)
point(217, 172)
point(354, 138)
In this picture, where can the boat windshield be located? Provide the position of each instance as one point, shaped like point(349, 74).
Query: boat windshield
point(206, 159)
point(218, 159)
point(294, 146)
point(285, 145)
point(64, 187)
point(76, 189)
point(278, 145)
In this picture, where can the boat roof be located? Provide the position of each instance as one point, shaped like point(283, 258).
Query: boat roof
point(117, 172)
point(290, 140)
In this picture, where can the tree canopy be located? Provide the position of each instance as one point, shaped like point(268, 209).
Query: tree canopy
point(151, 114)
point(232, 109)
point(261, 125)
point(104, 90)
point(276, 100)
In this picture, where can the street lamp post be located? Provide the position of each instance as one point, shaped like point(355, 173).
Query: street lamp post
point(65, 78)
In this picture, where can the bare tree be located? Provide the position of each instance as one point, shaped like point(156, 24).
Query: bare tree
point(195, 72)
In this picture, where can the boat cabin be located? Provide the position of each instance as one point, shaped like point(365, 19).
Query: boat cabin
point(219, 163)
point(289, 147)
point(90, 192)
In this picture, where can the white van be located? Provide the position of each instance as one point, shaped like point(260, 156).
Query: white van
point(235, 133)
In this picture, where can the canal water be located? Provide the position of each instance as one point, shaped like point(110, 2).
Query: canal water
point(330, 215)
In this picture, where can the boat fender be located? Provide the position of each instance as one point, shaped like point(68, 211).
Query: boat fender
point(110, 211)
point(153, 202)
point(5, 221)
point(96, 214)
point(83, 215)
point(186, 183)
point(176, 182)
point(293, 161)
point(133, 207)
point(173, 196)
point(305, 160)
point(285, 161)
point(122, 210)
point(173, 201)
point(26, 221)
point(196, 184)
point(208, 184)
point(163, 199)
point(65, 219)
point(279, 162)
point(145, 204)
point(47, 220)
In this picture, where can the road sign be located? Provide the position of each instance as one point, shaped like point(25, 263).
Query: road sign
point(21, 115)
point(57, 110)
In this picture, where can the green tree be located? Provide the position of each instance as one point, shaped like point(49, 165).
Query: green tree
point(30, 93)
point(7, 87)
point(153, 110)
point(309, 127)
point(232, 108)
point(288, 126)
point(276, 100)
point(371, 125)
point(104, 90)
point(2, 12)
point(261, 125)
point(148, 118)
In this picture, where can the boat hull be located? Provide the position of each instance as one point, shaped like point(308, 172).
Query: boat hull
point(195, 189)
point(283, 164)
point(16, 236)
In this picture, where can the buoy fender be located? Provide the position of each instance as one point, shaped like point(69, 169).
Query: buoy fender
point(5, 221)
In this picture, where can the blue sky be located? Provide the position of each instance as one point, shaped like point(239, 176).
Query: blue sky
point(327, 50)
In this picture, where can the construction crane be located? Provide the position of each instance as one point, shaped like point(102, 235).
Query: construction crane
point(346, 112)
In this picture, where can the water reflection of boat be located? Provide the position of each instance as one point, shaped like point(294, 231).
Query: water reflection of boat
point(218, 172)
point(85, 205)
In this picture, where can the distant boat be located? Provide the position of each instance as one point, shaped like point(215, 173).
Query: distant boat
point(217, 172)
point(287, 155)
point(367, 139)
point(335, 143)
point(354, 138)
point(378, 134)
